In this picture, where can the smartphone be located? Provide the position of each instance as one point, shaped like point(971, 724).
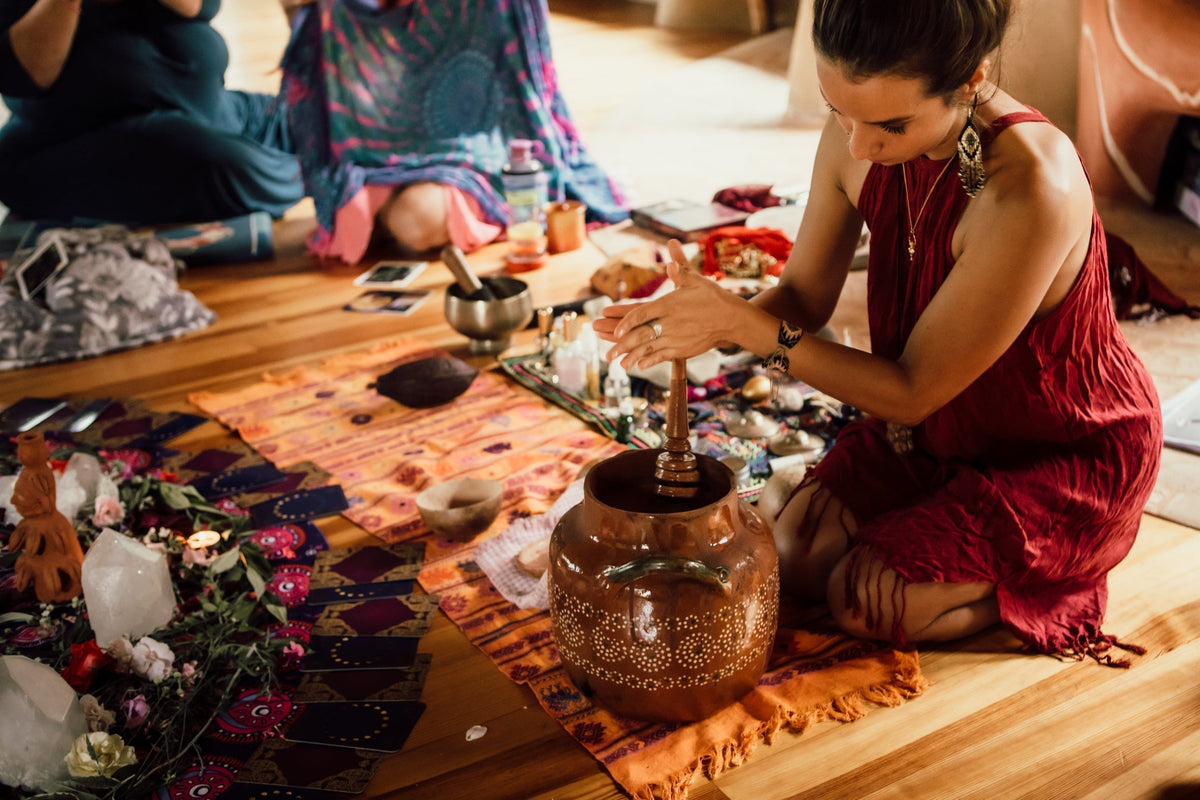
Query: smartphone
point(34, 273)
point(27, 413)
point(391, 274)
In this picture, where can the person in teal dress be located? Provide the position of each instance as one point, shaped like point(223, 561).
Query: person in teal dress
point(119, 113)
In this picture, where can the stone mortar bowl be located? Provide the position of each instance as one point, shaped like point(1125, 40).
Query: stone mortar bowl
point(462, 507)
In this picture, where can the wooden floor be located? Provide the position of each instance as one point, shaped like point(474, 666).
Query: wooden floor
point(995, 722)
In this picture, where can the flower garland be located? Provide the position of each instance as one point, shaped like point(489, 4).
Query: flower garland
point(149, 701)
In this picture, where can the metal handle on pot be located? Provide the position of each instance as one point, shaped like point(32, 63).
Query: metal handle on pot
point(717, 577)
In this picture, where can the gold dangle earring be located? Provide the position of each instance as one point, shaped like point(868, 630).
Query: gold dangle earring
point(970, 154)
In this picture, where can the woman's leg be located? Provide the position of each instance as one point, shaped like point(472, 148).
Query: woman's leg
point(869, 600)
point(162, 167)
point(812, 533)
point(416, 217)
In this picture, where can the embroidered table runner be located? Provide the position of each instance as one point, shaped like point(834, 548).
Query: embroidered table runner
point(383, 454)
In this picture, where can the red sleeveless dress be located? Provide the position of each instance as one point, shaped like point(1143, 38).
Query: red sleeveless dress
point(1033, 478)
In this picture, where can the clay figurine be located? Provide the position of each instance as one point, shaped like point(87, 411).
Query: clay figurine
point(51, 558)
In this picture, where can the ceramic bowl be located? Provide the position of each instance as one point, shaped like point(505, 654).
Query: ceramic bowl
point(460, 508)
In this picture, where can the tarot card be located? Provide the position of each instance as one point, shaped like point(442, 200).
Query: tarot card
point(410, 615)
point(364, 684)
point(386, 301)
point(176, 426)
point(347, 565)
point(367, 725)
point(301, 476)
point(299, 506)
point(354, 592)
point(265, 791)
point(301, 765)
point(29, 412)
point(391, 274)
point(34, 273)
point(236, 481)
point(331, 653)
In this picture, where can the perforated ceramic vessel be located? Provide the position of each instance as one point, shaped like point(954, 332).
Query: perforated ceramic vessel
point(664, 604)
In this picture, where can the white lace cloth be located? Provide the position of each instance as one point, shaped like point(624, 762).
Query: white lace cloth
point(497, 556)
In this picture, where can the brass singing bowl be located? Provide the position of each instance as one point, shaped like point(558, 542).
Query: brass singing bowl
point(490, 323)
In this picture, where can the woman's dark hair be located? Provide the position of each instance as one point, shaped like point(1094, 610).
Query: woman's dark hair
point(940, 41)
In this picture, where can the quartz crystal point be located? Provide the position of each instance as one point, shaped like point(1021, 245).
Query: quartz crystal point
point(40, 718)
point(127, 588)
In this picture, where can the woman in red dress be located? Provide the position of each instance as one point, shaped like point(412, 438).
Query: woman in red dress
point(1011, 436)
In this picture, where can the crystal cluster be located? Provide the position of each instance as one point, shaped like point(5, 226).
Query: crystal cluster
point(41, 719)
point(127, 588)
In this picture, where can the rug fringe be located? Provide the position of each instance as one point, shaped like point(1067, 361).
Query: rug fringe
point(905, 684)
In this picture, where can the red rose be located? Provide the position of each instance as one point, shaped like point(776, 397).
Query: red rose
point(86, 660)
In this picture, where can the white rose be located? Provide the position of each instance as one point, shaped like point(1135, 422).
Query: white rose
point(152, 659)
point(111, 753)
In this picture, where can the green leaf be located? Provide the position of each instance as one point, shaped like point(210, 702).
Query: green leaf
point(276, 608)
point(175, 496)
point(257, 581)
point(226, 561)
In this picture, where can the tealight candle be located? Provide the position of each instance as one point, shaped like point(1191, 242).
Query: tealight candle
point(202, 539)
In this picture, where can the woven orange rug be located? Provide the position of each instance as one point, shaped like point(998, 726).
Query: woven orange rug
point(383, 454)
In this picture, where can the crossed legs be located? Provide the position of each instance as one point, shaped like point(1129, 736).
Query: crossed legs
point(819, 562)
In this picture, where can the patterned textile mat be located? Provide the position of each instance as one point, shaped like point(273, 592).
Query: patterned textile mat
point(383, 453)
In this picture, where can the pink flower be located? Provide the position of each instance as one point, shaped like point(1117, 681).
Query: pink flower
point(197, 556)
point(135, 709)
point(292, 653)
point(108, 511)
point(188, 671)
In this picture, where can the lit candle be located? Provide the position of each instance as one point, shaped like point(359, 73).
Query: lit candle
point(202, 539)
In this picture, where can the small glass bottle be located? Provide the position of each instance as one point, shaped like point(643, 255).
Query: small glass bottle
point(616, 389)
point(570, 365)
point(524, 183)
point(545, 338)
point(589, 350)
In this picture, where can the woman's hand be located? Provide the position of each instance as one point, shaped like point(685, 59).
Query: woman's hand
point(694, 318)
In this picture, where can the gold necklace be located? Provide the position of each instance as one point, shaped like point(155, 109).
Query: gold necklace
point(912, 222)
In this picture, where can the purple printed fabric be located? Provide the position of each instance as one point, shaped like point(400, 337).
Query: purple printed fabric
point(431, 92)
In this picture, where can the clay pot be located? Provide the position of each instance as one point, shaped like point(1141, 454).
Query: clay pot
point(663, 608)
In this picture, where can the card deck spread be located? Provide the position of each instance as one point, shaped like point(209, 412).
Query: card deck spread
point(410, 615)
point(369, 725)
point(364, 684)
point(299, 506)
point(331, 653)
point(343, 566)
point(353, 592)
point(388, 301)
